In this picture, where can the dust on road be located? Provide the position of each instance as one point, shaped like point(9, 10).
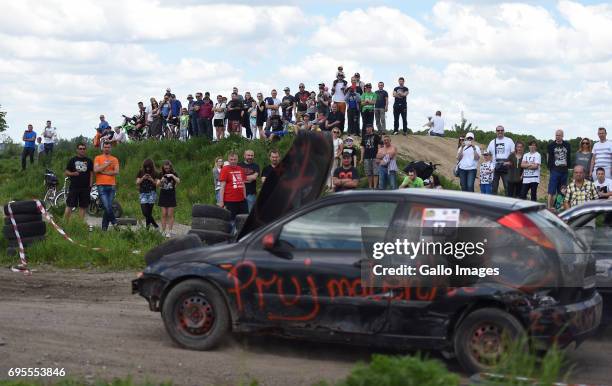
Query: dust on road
point(90, 324)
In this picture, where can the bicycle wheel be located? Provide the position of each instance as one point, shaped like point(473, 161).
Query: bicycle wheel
point(60, 199)
point(92, 209)
point(49, 199)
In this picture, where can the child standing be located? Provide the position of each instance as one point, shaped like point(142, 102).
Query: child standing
point(167, 196)
point(184, 124)
point(487, 167)
point(531, 172)
point(40, 149)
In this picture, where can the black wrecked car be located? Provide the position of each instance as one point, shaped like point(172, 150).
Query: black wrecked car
point(296, 270)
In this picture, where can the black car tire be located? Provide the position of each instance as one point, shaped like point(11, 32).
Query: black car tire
point(201, 210)
point(240, 220)
point(26, 241)
point(26, 229)
point(176, 244)
point(22, 207)
point(211, 237)
point(495, 323)
point(21, 218)
point(202, 298)
point(211, 224)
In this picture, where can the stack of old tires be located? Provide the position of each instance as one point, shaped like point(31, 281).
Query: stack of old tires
point(212, 224)
point(29, 222)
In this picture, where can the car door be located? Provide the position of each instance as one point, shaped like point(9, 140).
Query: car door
point(595, 229)
point(313, 279)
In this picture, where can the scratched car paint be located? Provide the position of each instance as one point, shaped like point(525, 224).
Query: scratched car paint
point(266, 284)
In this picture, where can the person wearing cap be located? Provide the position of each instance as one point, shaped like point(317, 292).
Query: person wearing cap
point(346, 177)
point(323, 100)
point(350, 149)
point(468, 155)
point(301, 102)
point(193, 117)
point(287, 105)
point(368, 101)
point(487, 168)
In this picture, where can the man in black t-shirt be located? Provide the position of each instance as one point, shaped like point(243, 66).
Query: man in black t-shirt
point(399, 107)
point(287, 105)
point(235, 110)
point(346, 176)
point(369, 149)
point(380, 108)
point(80, 171)
point(251, 170)
point(301, 99)
point(335, 119)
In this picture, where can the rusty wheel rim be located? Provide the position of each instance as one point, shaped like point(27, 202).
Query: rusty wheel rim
point(486, 343)
point(196, 315)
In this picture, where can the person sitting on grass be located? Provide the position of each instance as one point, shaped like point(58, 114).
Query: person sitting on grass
point(412, 180)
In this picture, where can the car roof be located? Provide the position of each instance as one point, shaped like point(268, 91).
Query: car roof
point(594, 205)
point(462, 199)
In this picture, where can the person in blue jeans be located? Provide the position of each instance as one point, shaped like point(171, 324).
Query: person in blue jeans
point(387, 171)
point(468, 155)
point(29, 146)
point(487, 168)
point(106, 168)
point(559, 161)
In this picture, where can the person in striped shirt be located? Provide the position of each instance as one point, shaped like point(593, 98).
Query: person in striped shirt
point(602, 154)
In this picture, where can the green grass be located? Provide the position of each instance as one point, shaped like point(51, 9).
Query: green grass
point(193, 160)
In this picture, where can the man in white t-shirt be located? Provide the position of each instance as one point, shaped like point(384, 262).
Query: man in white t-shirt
point(437, 130)
point(602, 153)
point(603, 184)
point(500, 149)
point(531, 172)
point(49, 135)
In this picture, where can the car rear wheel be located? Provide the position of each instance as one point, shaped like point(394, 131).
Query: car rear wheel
point(195, 315)
point(484, 336)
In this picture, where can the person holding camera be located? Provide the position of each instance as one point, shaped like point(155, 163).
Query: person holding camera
point(167, 196)
point(500, 148)
point(468, 156)
point(147, 181)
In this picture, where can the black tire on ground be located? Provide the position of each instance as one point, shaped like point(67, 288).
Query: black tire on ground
point(201, 210)
point(27, 241)
point(211, 237)
point(26, 229)
point(240, 220)
point(117, 209)
point(21, 218)
point(173, 245)
point(211, 224)
point(126, 221)
point(22, 207)
point(485, 324)
point(195, 315)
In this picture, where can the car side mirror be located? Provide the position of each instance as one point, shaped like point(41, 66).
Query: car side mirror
point(268, 241)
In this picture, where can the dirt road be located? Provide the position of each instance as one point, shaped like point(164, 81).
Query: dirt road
point(89, 324)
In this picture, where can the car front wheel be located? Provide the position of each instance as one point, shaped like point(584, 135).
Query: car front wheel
point(484, 336)
point(195, 315)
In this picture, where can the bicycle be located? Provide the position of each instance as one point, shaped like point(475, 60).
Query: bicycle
point(53, 196)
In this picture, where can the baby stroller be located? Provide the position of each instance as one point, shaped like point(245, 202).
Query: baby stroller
point(424, 170)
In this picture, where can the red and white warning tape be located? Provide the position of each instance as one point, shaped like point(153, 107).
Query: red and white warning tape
point(59, 230)
point(23, 261)
point(23, 266)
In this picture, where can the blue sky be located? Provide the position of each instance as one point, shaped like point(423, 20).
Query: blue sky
point(530, 66)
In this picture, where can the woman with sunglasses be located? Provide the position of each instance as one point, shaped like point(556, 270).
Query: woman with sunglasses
point(584, 156)
point(467, 155)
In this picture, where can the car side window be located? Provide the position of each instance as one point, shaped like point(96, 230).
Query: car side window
point(337, 226)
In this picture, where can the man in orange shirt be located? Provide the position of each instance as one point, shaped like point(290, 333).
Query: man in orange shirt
point(106, 168)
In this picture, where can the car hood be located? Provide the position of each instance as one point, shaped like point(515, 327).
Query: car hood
point(212, 254)
point(298, 180)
